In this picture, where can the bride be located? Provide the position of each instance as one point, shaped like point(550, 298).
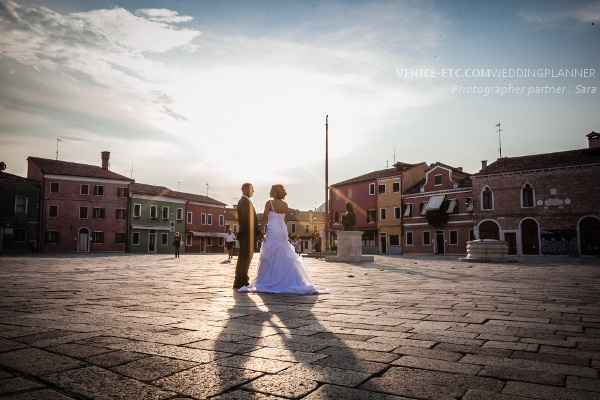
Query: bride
point(280, 269)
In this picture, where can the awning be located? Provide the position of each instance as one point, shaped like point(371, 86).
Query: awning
point(152, 228)
point(206, 234)
point(435, 202)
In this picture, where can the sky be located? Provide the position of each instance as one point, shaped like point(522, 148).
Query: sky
point(201, 96)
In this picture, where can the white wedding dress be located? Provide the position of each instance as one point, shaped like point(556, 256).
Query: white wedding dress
point(280, 269)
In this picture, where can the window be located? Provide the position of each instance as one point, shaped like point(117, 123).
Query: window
point(293, 228)
point(209, 219)
point(371, 188)
point(84, 190)
point(122, 192)
point(527, 195)
point(188, 240)
point(154, 212)
point(53, 212)
point(396, 187)
point(315, 228)
point(121, 213)
point(382, 188)
point(349, 193)
point(221, 242)
point(306, 228)
point(397, 213)
point(99, 190)
point(21, 204)
point(135, 238)
point(452, 207)
point(408, 211)
point(19, 235)
point(234, 228)
point(368, 239)
point(165, 213)
point(337, 193)
point(423, 208)
point(209, 241)
point(487, 199)
point(83, 212)
point(382, 214)
point(469, 204)
point(221, 220)
point(394, 240)
point(179, 214)
point(98, 237)
point(426, 238)
point(409, 238)
point(203, 219)
point(52, 237)
point(98, 212)
point(371, 216)
point(120, 237)
point(54, 187)
point(164, 239)
point(453, 237)
point(189, 217)
point(438, 180)
point(336, 217)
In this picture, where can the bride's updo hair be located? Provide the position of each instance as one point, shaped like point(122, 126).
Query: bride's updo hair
point(278, 192)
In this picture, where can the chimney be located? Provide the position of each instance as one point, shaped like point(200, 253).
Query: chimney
point(593, 140)
point(483, 164)
point(105, 158)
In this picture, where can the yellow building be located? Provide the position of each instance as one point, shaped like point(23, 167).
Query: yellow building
point(389, 204)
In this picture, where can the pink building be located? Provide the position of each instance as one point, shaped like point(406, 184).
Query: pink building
point(83, 207)
point(438, 212)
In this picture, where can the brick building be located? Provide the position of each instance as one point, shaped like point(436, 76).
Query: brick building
point(438, 212)
point(83, 207)
point(19, 213)
point(544, 203)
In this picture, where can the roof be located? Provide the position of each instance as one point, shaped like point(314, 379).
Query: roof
point(383, 173)
point(5, 176)
point(153, 190)
point(415, 189)
point(562, 159)
point(58, 167)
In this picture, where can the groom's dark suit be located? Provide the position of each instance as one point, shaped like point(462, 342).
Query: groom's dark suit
point(247, 236)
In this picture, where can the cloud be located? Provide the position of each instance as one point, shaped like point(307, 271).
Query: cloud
point(162, 15)
point(583, 14)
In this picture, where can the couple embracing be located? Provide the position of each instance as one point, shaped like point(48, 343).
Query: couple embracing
point(280, 269)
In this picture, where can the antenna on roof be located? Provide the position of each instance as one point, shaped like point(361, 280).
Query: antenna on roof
point(131, 169)
point(206, 189)
point(499, 142)
point(57, 140)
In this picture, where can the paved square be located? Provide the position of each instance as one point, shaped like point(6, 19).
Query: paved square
point(123, 326)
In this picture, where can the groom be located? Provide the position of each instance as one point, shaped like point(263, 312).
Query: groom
point(247, 235)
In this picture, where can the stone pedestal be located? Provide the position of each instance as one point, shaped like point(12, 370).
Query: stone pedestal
point(487, 250)
point(349, 248)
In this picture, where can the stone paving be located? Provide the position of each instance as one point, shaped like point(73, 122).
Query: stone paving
point(128, 326)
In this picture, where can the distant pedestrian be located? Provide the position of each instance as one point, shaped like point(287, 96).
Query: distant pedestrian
point(298, 245)
point(177, 243)
point(317, 241)
point(230, 243)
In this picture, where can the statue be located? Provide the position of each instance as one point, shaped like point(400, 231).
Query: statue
point(349, 217)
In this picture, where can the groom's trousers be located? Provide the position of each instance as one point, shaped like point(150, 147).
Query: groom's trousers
point(243, 262)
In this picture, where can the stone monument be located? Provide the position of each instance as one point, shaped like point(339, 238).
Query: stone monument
point(349, 241)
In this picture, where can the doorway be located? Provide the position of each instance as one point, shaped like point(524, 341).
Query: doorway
point(83, 240)
point(439, 242)
point(589, 229)
point(152, 242)
point(383, 242)
point(530, 237)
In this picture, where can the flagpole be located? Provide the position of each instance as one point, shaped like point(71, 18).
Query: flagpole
point(326, 183)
